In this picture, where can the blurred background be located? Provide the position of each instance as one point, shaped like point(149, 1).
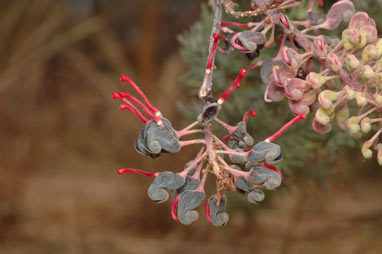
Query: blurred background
point(64, 137)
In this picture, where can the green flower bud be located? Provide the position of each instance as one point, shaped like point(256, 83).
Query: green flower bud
point(352, 62)
point(366, 125)
point(366, 152)
point(350, 93)
point(361, 99)
point(370, 52)
point(379, 154)
point(326, 98)
point(378, 98)
point(378, 46)
point(322, 117)
point(367, 72)
point(378, 78)
point(353, 125)
point(343, 114)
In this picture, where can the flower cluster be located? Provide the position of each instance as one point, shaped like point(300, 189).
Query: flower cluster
point(249, 171)
point(333, 78)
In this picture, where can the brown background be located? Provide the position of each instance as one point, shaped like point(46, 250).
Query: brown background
point(63, 138)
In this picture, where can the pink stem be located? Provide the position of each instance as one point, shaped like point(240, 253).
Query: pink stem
point(197, 172)
point(232, 153)
point(200, 156)
point(139, 91)
point(233, 172)
point(184, 133)
point(191, 142)
point(231, 129)
point(202, 182)
point(229, 150)
point(180, 132)
point(229, 90)
point(286, 126)
point(137, 171)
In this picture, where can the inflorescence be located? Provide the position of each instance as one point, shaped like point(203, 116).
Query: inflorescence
point(234, 160)
point(315, 73)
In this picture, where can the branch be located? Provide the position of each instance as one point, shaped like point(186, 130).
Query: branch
point(207, 81)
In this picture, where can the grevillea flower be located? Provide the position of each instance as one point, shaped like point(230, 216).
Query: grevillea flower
point(157, 136)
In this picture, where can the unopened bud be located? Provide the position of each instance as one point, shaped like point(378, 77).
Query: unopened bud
point(353, 125)
point(322, 117)
point(320, 46)
point(379, 154)
point(366, 125)
point(350, 38)
point(351, 62)
point(350, 93)
point(315, 80)
point(335, 62)
point(361, 99)
point(367, 72)
point(378, 98)
point(326, 98)
point(378, 46)
point(378, 78)
point(342, 114)
point(370, 52)
point(369, 32)
point(366, 152)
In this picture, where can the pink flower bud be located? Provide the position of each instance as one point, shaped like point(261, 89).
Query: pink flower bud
point(351, 37)
point(319, 128)
point(361, 19)
point(370, 33)
point(302, 106)
point(326, 98)
point(320, 47)
point(335, 62)
point(295, 88)
point(315, 80)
